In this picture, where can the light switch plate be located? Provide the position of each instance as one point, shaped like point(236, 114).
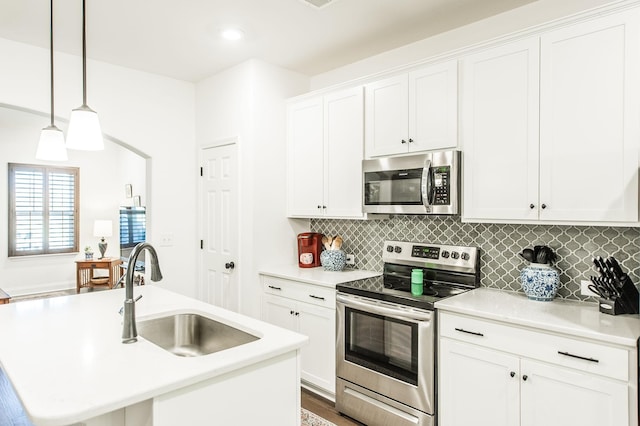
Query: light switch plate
point(584, 289)
point(351, 259)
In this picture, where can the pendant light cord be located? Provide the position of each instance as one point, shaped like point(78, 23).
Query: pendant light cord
point(51, 58)
point(84, 56)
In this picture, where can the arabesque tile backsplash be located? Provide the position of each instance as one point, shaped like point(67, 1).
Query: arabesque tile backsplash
point(499, 244)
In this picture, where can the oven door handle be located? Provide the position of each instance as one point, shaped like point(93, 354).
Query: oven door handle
point(384, 310)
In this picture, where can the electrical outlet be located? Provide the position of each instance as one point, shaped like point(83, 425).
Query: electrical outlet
point(166, 240)
point(584, 289)
point(351, 259)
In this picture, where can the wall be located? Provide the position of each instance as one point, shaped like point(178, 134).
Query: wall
point(101, 193)
point(529, 15)
point(247, 102)
point(152, 115)
point(499, 244)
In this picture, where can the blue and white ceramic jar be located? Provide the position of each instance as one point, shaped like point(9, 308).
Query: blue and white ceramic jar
point(333, 260)
point(540, 281)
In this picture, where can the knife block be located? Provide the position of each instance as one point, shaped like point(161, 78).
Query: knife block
point(627, 303)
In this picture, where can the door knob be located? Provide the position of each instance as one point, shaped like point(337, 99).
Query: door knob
point(229, 265)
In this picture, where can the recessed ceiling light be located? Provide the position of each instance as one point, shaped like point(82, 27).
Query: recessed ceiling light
point(232, 34)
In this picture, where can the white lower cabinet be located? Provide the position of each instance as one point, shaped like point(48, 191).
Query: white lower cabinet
point(310, 310)
point(499, 375)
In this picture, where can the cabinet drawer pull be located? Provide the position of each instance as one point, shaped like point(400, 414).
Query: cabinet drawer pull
point(316, 297)
point(461, 330)
point(275, 288)
point(578, 356)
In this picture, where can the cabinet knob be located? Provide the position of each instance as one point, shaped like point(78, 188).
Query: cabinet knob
point(525, 377)
point(512, 374)
point(319, 206)
point(324, 207)
point(403, 141)
point(297, 313)
point(229, 265)
point(410, 140)
point(544, 206)
point(290, 312)
point(532, 206)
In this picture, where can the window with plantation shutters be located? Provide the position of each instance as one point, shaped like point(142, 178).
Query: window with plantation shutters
point(43, 209)
point(133, 228)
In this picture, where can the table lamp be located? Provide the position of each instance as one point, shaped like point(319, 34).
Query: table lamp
point(102, 228)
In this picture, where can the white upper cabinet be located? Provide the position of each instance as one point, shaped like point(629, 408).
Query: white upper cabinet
point(305, 148)
point(324, 155)
point(589, 119)
point(412, 112)
point(557, 145)
point(499, 132)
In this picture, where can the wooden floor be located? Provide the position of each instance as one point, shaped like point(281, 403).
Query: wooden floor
point(325, 409)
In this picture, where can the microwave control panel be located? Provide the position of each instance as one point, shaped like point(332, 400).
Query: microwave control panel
point(441, 185)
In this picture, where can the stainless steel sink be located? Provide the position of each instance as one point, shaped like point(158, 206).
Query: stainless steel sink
point(190, 334)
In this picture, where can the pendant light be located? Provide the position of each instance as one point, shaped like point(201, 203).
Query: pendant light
point(51, 145)
point(84, 127)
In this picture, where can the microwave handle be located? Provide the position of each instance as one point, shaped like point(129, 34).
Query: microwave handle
point(426, 185)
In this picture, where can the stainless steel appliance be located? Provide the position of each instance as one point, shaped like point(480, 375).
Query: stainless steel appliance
point(414, 184)
point(386, 336)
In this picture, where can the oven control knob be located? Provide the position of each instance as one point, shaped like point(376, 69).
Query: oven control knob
point(464, 256)
point(445, 254)
point(398, 249)
point(390, 249)
point(455, 255)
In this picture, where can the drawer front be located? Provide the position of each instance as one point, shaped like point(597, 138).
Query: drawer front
point(596, 358)
point(302, 292)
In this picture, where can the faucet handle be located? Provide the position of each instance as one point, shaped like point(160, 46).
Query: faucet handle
point(122, 307)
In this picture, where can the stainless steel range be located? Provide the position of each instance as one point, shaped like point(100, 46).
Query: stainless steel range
point(386, 339)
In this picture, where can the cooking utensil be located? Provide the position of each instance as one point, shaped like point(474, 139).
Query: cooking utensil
point(594, 288)
point(326, 242)
point(527, 254)
point(337, 243)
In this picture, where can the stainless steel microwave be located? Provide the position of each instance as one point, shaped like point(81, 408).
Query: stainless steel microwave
point(415, 184)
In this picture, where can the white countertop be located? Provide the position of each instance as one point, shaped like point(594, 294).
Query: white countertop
point(318, 276)
point(66, 362)
point(571, 317)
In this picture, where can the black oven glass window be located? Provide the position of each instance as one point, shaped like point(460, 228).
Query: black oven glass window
point(393, 187)
point(386, 345)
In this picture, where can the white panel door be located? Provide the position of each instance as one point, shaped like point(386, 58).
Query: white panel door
point(386, 116)
point(589, 120)
point(318, 357)
point(555, 396)
point(478, 387)
point(433, 107)
point(220, 223)
point(499, 132)
point(305, 158)
point(343, 153)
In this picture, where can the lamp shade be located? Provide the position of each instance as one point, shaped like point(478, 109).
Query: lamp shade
point(84, 132)
point(51, 145)
point(102, 228)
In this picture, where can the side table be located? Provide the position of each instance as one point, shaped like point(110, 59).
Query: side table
point(4, 297)
point(85, 272)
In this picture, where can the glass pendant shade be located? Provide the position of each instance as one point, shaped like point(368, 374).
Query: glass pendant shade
point(51, 145)
point(84, 132)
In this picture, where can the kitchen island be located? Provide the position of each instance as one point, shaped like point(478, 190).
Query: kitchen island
point(66, 362)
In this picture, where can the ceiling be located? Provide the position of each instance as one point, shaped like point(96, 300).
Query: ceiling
point(179, 38)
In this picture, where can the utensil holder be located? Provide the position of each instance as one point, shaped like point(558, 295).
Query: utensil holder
point(627, 303)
